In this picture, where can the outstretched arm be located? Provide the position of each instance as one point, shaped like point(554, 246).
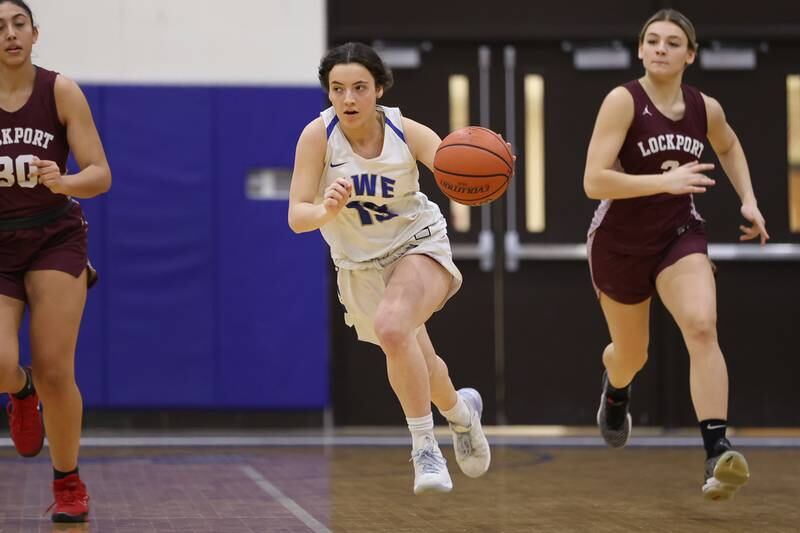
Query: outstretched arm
point(731, 155)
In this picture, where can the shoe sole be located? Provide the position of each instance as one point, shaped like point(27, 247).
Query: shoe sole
point(68, 518)
point(730, 474)
point(432, 489)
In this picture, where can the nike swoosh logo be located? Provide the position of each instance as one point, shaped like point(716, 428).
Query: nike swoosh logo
point(334, 165)
point(715, 427)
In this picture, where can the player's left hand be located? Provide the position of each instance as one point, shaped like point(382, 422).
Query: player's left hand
point(49, 175)
point(751, 213)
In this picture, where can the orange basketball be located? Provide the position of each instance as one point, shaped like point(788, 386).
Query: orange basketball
point(473, 166)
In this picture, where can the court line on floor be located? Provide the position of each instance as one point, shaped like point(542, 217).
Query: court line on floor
point(340, 440)
point(289, 504)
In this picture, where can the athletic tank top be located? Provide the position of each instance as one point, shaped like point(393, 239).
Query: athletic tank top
point(32, 130)
point(654, 144)
point(386, 207)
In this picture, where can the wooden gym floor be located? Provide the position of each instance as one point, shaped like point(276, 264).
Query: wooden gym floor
point(360, 482)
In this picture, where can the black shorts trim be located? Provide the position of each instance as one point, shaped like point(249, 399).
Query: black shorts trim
point(38, 220)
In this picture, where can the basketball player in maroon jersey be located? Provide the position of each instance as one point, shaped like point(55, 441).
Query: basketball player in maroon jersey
point(644, 163)
point(43, 257)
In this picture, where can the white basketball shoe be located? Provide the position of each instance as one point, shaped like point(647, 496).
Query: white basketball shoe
point(430, 469)
point(472, 449)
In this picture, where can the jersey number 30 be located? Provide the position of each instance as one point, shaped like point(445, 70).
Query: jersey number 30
point(19, 171)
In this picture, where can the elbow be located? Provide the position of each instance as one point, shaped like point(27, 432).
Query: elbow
point(294, 224)
point(106, 182)
point(103, 184)
point(98, 187)
point(591, 189)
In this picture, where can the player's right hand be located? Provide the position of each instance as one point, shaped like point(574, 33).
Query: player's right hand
point(688, 178)
point(336, 195)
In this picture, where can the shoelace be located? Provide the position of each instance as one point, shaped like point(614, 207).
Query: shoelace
point(429, 462)
point(66, 496)
point(463, 444)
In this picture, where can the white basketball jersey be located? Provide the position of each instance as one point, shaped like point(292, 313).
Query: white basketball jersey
point(386, 208)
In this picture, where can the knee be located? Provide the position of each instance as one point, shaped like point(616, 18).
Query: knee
point(52, 377)
point(700, 329)
point(392, 334)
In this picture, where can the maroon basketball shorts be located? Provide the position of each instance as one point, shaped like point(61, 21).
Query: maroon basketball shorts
point(631, 278)
point(60, 244)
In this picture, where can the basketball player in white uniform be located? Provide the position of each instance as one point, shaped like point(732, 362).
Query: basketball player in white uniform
point(356, 180)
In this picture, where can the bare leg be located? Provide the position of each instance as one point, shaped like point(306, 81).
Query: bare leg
point(415, 290)
point(688, 291)
point(12, 377)
point(443, 394)
point(630, 336)
point(56, 302)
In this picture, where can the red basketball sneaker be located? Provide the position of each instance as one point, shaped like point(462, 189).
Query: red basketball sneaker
point(72, 500)
point(25, 423)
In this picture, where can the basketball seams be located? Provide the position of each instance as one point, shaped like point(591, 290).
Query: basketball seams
point(498, 156)
point(502, 141)
point(487, 180)
point(490, 175)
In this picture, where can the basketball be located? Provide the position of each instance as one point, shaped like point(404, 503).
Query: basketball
point(473, 166)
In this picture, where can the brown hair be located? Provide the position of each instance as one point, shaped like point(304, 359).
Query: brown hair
point(677, 18)
point(356, 53)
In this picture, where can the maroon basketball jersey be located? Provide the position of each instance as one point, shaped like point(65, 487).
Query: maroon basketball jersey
point(655, 144)
point(32, 130)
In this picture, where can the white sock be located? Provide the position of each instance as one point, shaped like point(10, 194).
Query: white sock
point(459, 414)
point(421, 430)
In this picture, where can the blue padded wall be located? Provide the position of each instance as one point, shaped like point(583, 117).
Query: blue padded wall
point(206, 298)
point(273, 315)
point(160, 246)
